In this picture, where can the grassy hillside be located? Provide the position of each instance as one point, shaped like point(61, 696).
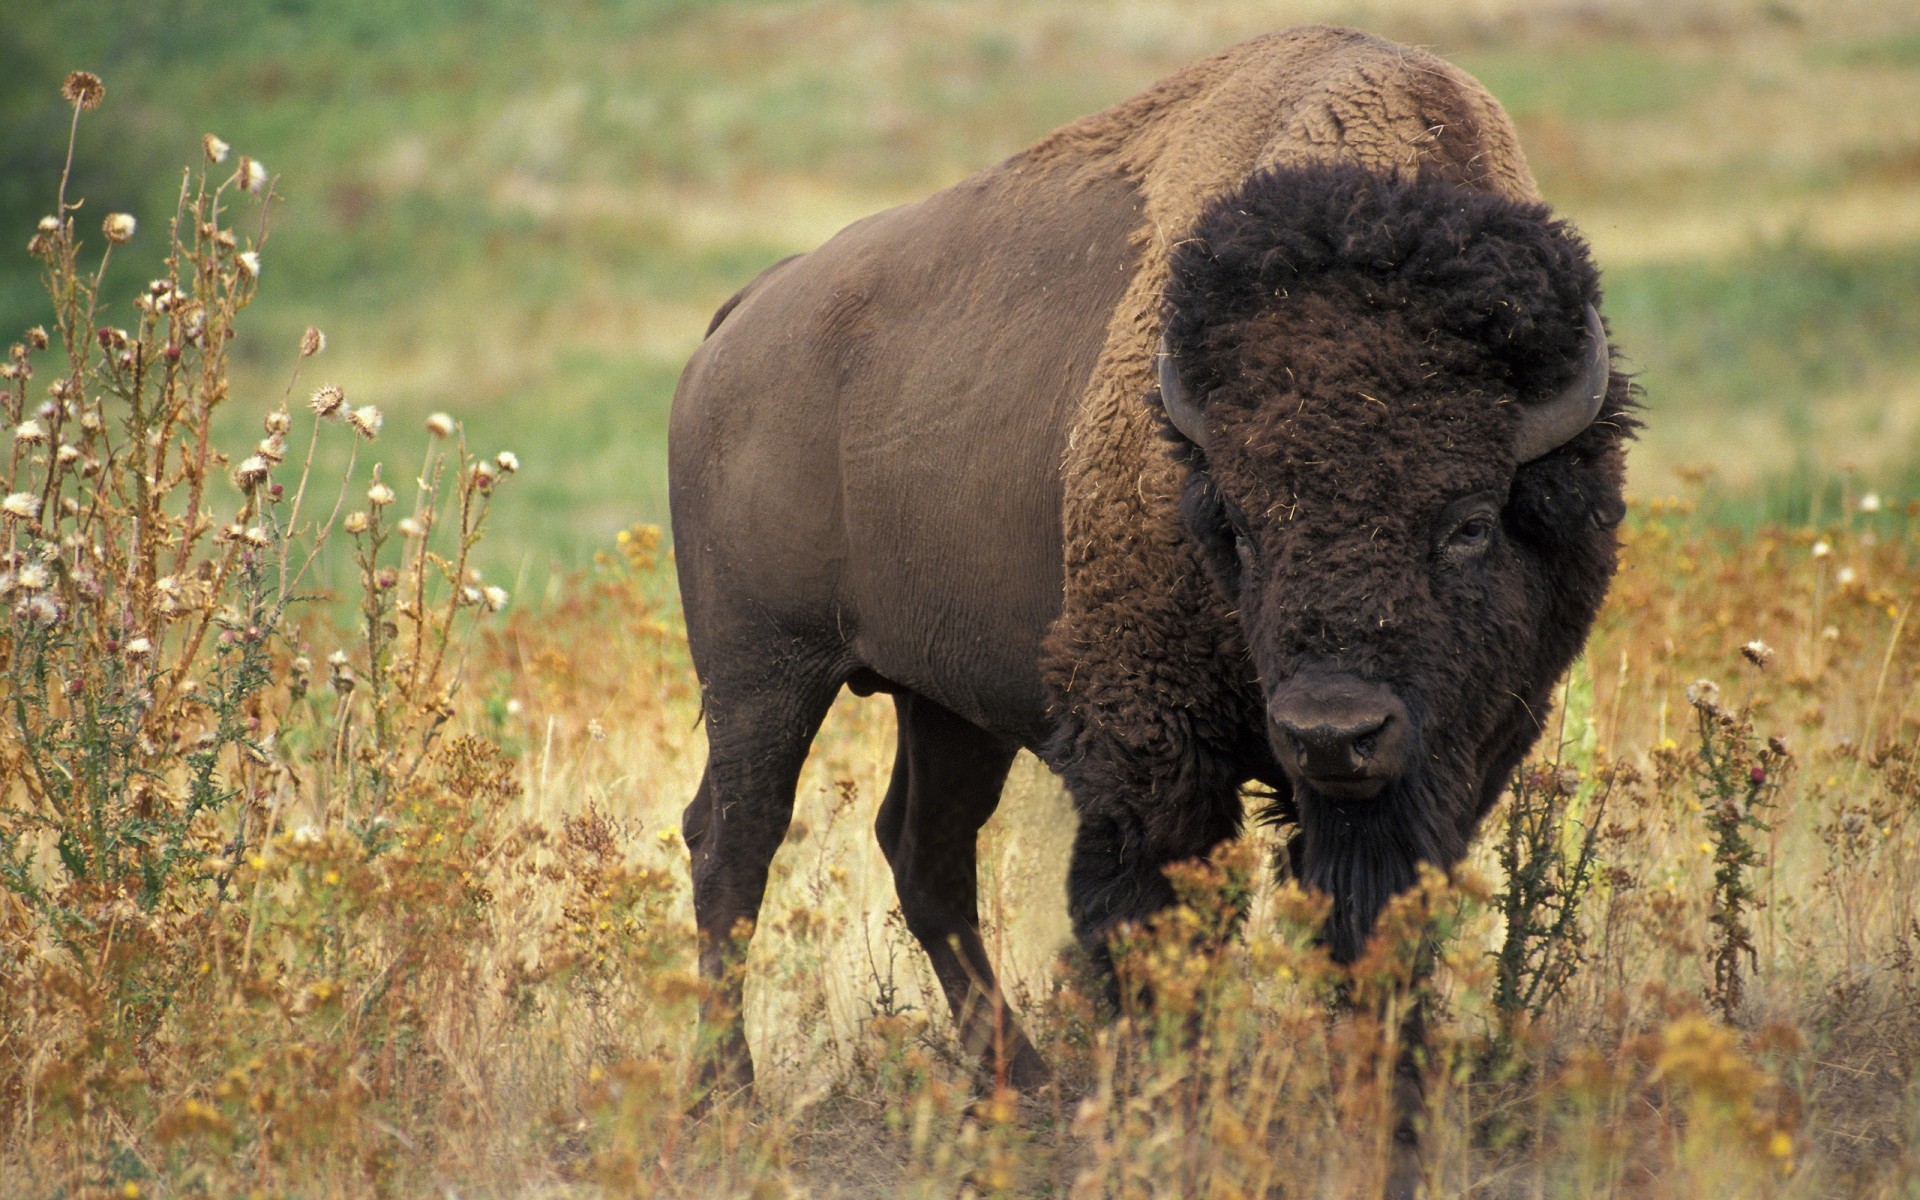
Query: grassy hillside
point(526, 212)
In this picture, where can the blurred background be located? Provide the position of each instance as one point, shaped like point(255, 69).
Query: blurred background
point(524, 212)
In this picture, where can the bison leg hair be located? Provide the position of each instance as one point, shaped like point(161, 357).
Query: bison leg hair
point(1131, 830)
point(947, 777)
point(757, 739)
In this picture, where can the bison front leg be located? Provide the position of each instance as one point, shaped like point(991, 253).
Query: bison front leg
point(1138, 816)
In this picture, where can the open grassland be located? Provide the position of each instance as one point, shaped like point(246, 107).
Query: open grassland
point(526, 213)
point(414, 919)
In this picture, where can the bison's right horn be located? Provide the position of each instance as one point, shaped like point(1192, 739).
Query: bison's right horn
point(1549, 425)
point(1181, 409)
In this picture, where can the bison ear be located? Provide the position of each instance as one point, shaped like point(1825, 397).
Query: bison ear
point(1181, 410)
point(1554, 422)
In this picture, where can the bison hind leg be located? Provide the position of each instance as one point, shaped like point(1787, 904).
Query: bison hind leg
point(947, 777)
point(757, 739)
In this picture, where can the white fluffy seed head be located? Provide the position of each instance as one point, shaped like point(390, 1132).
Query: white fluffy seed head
point(366, 421)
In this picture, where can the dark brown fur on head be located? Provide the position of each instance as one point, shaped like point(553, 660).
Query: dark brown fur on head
point(1361, 346)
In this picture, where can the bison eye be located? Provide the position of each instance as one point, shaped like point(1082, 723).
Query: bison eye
point(1469, 526)
point(1472, 533)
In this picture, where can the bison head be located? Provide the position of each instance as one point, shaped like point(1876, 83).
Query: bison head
point(1405, 452)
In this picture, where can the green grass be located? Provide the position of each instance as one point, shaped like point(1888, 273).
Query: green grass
point(1779, 327)
point(1607, 80)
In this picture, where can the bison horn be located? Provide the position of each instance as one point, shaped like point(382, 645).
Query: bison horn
point(1181, 409)
point(1549, 425)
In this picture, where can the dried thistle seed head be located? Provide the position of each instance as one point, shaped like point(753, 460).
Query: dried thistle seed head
point(273, 449)
point(1822, 548)
point(483, 475)
point(119, 227)
point(252, 175)
point(84, 89)
point(1758, 653)
point(508, 461)
point(249, 264)
point(1870, 503)
point(30, 433)
point(37, 337)
point(440, 425)
point(1704, 694)
point(37, 609)
point(49, 225)
point(139, 648)
point(1845, 576)
point(366, 421)
point(20, 506)
point(356, 523)
point(67, 454)
point(251, 473)
point(410, 527)
point(328, 400)
point(312, 342)
point(32, 577)
point(216, 149)
point(379, 495)
point(495, 597)
point(256, 537)
point(278, 423)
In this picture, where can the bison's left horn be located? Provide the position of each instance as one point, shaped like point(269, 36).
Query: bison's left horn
point(1553, 423)
point(1181, 409)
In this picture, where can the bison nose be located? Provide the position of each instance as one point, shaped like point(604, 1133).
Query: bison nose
point(1342, 736)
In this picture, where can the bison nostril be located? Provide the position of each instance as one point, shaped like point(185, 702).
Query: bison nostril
point(1366, 744)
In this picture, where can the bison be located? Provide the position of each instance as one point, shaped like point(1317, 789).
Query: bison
point(1260, 429)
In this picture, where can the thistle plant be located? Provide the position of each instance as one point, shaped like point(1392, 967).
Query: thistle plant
point(1549, 858)
point(1735, 777)
point(143, 600)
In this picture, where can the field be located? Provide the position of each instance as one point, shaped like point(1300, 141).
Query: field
point(360, 874)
